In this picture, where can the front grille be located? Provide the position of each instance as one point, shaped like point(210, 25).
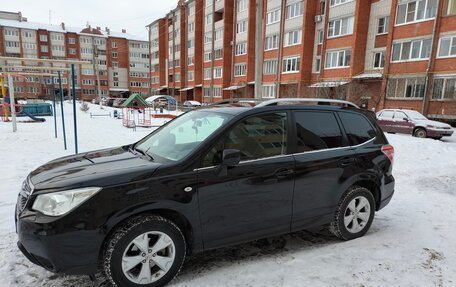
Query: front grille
point(24, 195)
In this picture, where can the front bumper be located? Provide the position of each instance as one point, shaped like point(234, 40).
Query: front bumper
point(437, 133)
point(57, 248)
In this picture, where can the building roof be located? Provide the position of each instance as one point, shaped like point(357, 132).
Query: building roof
point(87, 31)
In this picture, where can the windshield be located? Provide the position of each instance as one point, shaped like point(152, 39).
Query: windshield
point(416, 115)
point(182, 136)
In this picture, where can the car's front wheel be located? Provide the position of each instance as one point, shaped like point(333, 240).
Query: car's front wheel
point(145, 251)
point(420, 133)
point(354, 214)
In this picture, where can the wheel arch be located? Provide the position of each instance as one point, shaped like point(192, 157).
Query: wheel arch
point(370, 181)
point(189, 230)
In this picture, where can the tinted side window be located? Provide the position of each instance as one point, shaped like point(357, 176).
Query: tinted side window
point(256, 137)
point(317, 131)
point(358, 128)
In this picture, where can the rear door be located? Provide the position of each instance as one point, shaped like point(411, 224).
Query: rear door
point(385, 121)
point(324, 161)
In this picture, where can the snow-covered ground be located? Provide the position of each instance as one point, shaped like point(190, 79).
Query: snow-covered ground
point(412, 241)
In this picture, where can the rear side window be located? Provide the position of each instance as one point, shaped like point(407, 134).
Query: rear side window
point(317, 131)
point(358, 128)
point(387, 115)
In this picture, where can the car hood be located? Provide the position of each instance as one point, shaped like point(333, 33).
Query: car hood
point(98, 168)
point(432, 123)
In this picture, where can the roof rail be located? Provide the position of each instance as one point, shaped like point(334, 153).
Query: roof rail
point(276, 102)
point(249, 102)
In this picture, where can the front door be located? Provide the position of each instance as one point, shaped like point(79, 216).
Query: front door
point(253, 199)
point(401, 123)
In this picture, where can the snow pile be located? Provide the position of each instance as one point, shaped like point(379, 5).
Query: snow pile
point(411, 242)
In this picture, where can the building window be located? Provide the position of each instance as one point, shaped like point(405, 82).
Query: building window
point(450, 7)
point(240, 70)
point(72, 51)
point(269, 92)
point(217, 72)
point(190, 61)
point(12, 44)
point(218, 54)
point(444, 89)
point(43, 38)
point(190, 76)
point(191, 43)
point(270, 67)
point(209, 19)
point(207, 73)
point(241, 27)
point(291, 65)
point(191, 27)
point(411, 50)
point(271, 42)
point(273, 17)
point(447, 47)
point(341, 27)
point(413, 11)
point(294, 10)
point(383, 25)
point(28, 34)
point(44, 49)
point(29, 46)
point(317, 65)
point(207, 56)
point(321, 36)
point(207, 37)
point(114, 55)
point(114, 45)
point(338, 59)
point(406, 87)
point(292, 38)
point(9, 32)
point(241, 49)
point(379, 60)
point(218, 35)
point(242, 5)
point(71, 41)
point(338, 2)
point(191, 10)
point(115, 64)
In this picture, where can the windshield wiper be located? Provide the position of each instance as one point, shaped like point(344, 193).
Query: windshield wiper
point(137, 150)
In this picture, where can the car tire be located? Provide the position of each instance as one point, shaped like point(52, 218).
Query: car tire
point(420, 133)
point(354, 214)
point(145, 251)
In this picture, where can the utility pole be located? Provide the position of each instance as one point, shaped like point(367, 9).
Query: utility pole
point(258, 48)
point(12, 102)
point(95, 67)
point(212, 51)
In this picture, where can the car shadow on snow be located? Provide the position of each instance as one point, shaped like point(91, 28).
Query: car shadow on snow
point(278, 246)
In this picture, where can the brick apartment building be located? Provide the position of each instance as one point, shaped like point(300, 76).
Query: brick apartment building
point(122, 60)
point(378, 53)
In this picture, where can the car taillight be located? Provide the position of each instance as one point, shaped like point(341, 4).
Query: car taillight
point(388, 150)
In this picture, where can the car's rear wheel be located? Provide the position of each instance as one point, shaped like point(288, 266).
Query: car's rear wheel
point(145, 251)
point(420, 133)
point(354, 214)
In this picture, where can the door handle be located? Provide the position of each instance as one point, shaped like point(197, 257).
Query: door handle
point(346, 161)
point(283, 173)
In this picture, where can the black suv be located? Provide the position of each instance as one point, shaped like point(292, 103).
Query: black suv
point(210, 178)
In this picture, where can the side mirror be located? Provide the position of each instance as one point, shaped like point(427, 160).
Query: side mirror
point(231, 157)
point(406, 119)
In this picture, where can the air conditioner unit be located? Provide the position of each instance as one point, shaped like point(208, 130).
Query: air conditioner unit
point(318, 18)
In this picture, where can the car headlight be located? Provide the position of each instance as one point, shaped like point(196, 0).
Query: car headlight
point(62, 202)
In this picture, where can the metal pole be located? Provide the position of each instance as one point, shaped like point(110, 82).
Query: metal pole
point(259, 48)
point(212, 53)
point(97, 74)
point(61, 108)
point(55, 110)
point(73, 80)
point(13, 108)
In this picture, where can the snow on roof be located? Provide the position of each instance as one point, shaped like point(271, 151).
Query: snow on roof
point(58, 28)
point(372, 75)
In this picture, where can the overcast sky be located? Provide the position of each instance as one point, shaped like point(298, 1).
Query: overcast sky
point(132, 15)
